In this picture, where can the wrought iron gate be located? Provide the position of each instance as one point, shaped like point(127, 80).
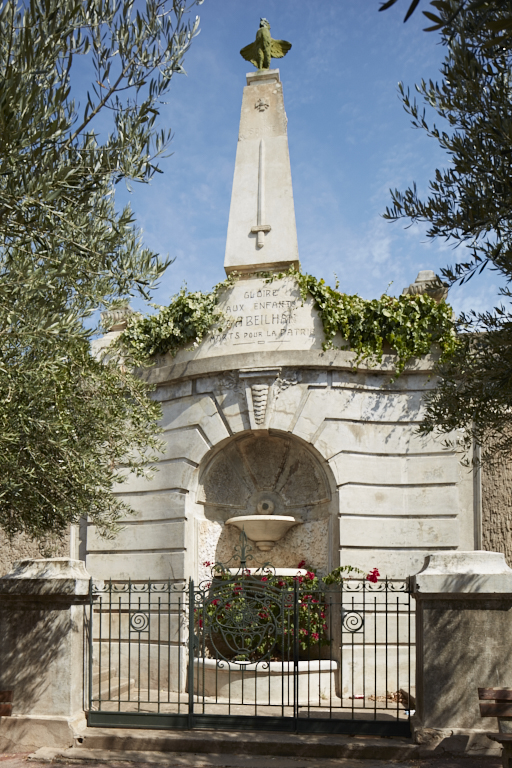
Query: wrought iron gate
point(254, 650)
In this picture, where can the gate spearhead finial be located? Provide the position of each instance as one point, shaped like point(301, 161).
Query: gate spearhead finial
point(264, 49)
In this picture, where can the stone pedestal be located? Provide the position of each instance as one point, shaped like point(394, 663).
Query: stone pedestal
point(43, 606)
point(464, 641)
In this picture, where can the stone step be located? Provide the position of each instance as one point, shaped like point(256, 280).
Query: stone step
point(117, 688)
point(103, 757)
point(249, 743)
point(103, 675)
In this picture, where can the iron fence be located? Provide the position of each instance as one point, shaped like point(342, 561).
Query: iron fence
point(252, 650)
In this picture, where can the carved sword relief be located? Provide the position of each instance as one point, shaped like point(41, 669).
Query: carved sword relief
point(260, 228)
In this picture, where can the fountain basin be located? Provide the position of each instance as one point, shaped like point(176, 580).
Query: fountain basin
point(264, 530)
point(269, 682)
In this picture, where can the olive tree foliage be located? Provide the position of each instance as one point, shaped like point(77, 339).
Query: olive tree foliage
point(81, 83)
point(469, 204)
point(445, 12)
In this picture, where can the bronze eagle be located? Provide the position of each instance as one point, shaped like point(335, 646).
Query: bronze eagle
point(264, 48)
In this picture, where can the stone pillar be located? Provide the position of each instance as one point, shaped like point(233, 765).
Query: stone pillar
point(43, 606)
point(464, 642)
point(262, 233)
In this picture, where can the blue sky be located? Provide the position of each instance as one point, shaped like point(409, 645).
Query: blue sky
point(350, 141)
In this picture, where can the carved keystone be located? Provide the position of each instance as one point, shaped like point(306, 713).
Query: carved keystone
point(259, 392)
point(259, 402)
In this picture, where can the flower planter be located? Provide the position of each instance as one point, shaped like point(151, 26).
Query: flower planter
point(268, 683)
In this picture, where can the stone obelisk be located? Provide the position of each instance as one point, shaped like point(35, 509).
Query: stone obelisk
point(262, 234)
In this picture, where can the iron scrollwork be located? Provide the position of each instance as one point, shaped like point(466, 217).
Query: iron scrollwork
point(238, 615)
point(111, 587)
point(139, 621)
point(352, 621)
point(241, 621)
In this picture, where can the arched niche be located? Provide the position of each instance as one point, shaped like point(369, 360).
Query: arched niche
point(256, 468)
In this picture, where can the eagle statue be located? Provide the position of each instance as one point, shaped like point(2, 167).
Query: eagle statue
point(264, 48)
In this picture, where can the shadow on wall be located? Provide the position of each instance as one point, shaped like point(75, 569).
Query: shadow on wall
point(454, 670)
point(34, 642)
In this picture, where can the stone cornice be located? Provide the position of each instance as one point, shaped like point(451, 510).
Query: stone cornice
point(332, 359)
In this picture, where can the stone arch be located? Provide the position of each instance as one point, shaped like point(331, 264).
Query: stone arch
point(258, 467)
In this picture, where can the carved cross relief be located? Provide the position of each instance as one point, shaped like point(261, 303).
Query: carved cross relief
point(261, 105)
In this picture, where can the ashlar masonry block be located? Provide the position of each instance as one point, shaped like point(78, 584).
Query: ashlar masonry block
point(200, 410)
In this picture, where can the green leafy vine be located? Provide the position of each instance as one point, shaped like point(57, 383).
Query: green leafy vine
point(185, 322)
point(409, 325)
point(405, 325)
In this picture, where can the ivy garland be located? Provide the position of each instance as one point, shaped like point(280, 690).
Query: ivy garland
point(185, 322)
point(409, 325)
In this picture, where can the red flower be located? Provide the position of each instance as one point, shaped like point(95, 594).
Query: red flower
point(264, 578)
point(200, 623)
point(315, 635)
point(373, 576)
point(207, 563)
point(310, 575)
point(280, 584)
point(302, 564)
point(322, 615)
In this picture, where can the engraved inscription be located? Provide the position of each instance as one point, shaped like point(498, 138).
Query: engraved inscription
point(256, 312)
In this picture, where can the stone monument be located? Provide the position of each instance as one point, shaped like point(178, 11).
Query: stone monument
point(314, 455)
point(259, 419)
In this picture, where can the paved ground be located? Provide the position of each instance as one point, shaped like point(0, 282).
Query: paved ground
point(188, 760)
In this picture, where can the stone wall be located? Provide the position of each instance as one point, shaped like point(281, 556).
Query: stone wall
point(497, 509)
point(393, 497)
point(22, 548)
point(237, 407)
point(463, 627)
